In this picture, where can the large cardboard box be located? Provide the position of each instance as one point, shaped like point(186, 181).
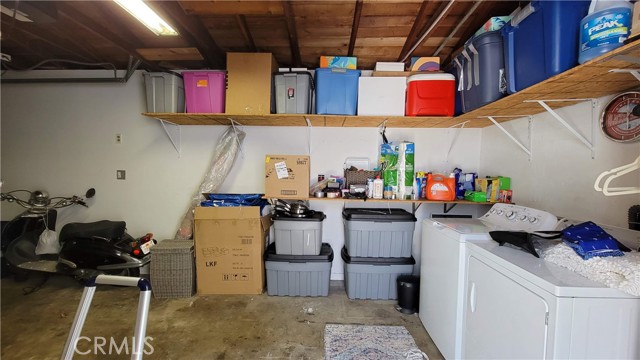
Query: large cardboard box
point(287, 176)
point(230, 242)
point(249, 83)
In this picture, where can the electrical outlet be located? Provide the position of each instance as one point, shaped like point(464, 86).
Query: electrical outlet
point(118, 138)
point(121, 174)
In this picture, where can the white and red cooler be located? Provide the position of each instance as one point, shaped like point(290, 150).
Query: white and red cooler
point(430, 95)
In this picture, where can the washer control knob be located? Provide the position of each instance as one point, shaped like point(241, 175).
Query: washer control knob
point(522, 218)
point(492, 211)
point(500, 212)
point(533, 220)
point(511, 215)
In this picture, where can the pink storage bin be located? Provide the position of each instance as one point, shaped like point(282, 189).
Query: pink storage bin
point(204, 91)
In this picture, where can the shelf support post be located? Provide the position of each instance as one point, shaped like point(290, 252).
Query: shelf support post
point(587, 143)
point(176, 145)
point(497, 124)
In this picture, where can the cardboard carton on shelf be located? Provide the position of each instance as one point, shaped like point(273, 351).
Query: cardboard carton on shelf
point(287, 176)
point(249, 83)
point(229, 244)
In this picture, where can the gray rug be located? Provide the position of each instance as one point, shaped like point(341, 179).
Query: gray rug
point(365, 342)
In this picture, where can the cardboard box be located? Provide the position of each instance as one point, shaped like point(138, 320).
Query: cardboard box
point(635, 23)
point(287, 176)
point(389, 66)
point(381, 96)
point(343, 62)
point(425, 64)
point(249, 83)
point(229, 245)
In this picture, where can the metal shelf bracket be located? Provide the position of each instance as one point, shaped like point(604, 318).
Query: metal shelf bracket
point(527, 150)
point(458, 126)
point(588, 143)
point(176, 144)
point(634, 72)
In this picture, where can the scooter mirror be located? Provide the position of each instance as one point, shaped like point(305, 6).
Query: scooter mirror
point(90, 193)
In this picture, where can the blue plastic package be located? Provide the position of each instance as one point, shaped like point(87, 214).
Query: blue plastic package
point(224, 200)
point(589, 240)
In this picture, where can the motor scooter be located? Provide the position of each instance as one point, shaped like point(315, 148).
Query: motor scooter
point(85, 249)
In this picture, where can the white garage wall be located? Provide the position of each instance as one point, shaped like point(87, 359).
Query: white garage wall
point(560, 176)
point(61, 138)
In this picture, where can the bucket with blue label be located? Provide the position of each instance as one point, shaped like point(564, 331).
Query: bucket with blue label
point(604, 30)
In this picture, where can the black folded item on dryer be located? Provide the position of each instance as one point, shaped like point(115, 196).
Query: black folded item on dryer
point(523, 239)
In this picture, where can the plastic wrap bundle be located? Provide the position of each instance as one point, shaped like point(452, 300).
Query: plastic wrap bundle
point(223, 158)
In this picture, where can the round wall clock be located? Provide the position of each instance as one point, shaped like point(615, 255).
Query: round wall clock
point(620, 119)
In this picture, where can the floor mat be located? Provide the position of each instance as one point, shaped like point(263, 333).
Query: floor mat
point(365, 342)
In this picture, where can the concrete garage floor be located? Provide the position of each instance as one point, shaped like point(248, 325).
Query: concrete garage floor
point(36, 326)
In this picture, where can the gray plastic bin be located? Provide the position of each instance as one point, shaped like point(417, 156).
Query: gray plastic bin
point(374, 278)
point(293, 92)
point(298, 236)
point(298, 275)
point(378, 232)
point(165, 92)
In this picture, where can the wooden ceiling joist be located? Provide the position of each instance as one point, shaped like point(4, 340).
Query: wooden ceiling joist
point(292, 32)
point(194, 31)
point(22, 36)
point(431, 25)
point(354, 28)
point(418, 23)
point(244, 29)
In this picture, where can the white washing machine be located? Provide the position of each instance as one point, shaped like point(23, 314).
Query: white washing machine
point(443, 266)
point(520, 306)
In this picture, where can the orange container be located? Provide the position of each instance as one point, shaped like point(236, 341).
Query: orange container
point(441, 187)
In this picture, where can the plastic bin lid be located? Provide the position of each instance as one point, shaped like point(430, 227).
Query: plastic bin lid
point(377, 214)
point(431, 77)
point(375, 260)
point(326, 255)
point(173, 246)
point(317, 216)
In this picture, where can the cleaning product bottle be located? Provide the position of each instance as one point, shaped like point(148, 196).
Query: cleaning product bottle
point(378, 186)
point(605, 28)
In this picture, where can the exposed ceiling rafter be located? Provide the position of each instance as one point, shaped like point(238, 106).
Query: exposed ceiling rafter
point(433, 23)
point(354, 28)
point(194, 31)
point(292, 32)
point(246, 33)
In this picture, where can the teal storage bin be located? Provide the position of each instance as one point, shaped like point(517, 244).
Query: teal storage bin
point(542, 41)
point(336, 91)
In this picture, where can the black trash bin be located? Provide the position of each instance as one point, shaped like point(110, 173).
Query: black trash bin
point(408, 293)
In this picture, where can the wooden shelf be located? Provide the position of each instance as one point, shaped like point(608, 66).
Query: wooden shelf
point(590, 80)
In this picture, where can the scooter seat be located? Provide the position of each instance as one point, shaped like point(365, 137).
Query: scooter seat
point(107, 229)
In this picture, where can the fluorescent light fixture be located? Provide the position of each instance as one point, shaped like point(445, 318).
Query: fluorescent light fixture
point(148, 17)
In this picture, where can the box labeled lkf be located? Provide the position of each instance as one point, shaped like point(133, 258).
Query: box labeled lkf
point(287, 176)
point(229, 243)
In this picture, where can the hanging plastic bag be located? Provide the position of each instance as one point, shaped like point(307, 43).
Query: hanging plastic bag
point(48, 243)
point(223, 158)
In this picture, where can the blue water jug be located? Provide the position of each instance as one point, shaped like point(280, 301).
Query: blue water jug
point(604, 30)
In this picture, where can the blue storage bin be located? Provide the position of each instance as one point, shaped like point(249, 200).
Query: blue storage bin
point(336, 91)
point(541, 41)
point(483, 71)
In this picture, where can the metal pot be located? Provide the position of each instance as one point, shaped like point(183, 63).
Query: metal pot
point(296, 208)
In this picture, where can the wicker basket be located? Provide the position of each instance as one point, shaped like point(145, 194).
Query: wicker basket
point(173, 269)
point(359, 177)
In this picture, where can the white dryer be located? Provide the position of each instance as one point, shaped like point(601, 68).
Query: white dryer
point(518, 306)
point(443, 266)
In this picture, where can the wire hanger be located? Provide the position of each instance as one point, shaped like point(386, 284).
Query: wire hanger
point(616, 173)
